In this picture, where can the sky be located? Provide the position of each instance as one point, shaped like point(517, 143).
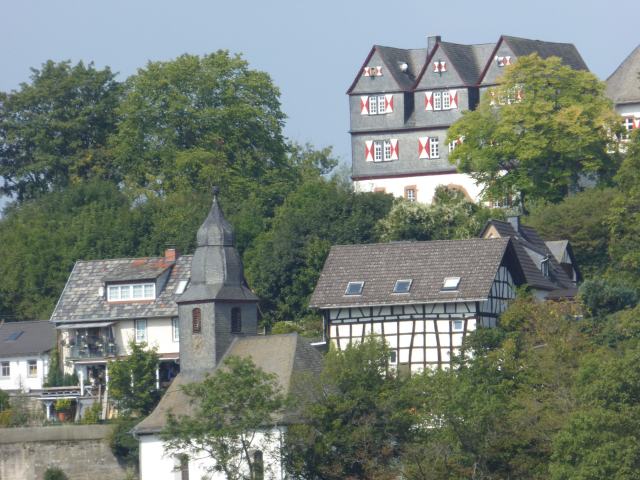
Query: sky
point(312, 50)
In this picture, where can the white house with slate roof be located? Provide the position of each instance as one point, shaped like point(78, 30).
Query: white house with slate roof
point(402, 102)
point(421, 297)
point(108, 303)
point(623, 88)
point(218, 317)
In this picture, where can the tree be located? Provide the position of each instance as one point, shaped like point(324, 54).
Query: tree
point(450, 216)
point(539, 133)
point(283, 263)
point(233, 411)
point(132, 381)
point(354, 419)
point(54, 130)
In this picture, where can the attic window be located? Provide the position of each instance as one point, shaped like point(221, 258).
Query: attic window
point(544, 266)
point(136, 291)
point(354, 288)
point(12, 337)
point(402, 286)
point(181, 286)
point(451, 283)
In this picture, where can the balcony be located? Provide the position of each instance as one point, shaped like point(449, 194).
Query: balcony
point(93, 347)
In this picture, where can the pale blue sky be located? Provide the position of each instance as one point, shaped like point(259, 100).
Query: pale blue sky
point(311, 49)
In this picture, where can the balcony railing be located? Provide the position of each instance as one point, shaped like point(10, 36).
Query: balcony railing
point(98, 349)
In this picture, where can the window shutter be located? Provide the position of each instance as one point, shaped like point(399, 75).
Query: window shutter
point(368, 150)
point(507, 60)
point(443, 66)
point(636, 122)
point(378, 71)
point(394, 149)
point(364, 105)
point(428, 101)
point(366, 71)
point(436, 67)
point(423, 147)
point(388, 103)
point(453, 99)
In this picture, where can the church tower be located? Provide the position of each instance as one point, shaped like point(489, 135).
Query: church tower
point(217, 305)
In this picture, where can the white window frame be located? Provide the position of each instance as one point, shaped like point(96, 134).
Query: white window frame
point(373, 105)
point(446, 100)
point(359, 283)
point(411, 194)
point(378, 151)
point(32, 364)
point(387, 150)
point(127, 292)
point(6, 365)
point(401, 281)
point(381, 105)
point(437, 100)
point(451, 283)
point(140, 333)
point(175, 329)
point(434, 147)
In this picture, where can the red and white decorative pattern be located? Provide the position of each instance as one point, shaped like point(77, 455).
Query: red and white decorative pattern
point(453, 99)
point(439, 66)
point(388, 103)
point(428, 101)
point(636, 122)
point(368, 150)
point(372, 71)
point(364, 105)
point(503, 61)
point(424, 147)
point(395, 151)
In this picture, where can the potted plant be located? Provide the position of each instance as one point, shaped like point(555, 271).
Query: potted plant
point(63, 409)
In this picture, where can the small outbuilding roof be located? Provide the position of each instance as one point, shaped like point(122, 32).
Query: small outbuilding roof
point(288, 356)
point(26, 338)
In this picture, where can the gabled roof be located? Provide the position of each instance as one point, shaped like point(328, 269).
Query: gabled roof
point(467, 60)
point(287, 356)
point(623, 86)
point(567, 52)
point(393, 58)
point(528, 243)
point(26, 338)
point(427, 264)
point(81, 301)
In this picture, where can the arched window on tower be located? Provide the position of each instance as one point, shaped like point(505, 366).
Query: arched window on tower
point(236, 320)
point(196, 320)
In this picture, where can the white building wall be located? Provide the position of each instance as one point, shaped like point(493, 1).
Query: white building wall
point(159, 335)
point(19, 378)
point(155, 464)
point(425, 185)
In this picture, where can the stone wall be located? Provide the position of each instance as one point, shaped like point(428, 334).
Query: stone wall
point(81, 451)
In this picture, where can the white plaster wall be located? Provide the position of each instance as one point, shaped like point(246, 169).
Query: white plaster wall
point(19, 378)
point(156, 465)
point(425, 185)
point(159, 334)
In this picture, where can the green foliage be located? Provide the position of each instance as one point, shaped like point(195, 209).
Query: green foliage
point(4, 400)
point(602, 296)
point(92, 415)
point(581, 219)
point(63, 404)
point(284, 263)
point(450, 216)
point(16, 413)
point(54, 473)
point(124, 445)
point(309, 326)
point(53, 131)
point(132, 380)
point(230, 407)
point(559, 132)
point(55, 375)
point(356, 418)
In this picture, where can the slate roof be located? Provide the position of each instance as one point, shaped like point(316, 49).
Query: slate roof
point(33, 338)
point(527, 238)
point(287, 356)
point(80, 300)
point(379, 265)
point(566, 51)
point(623, 86)
point(468, 60)
point(394, 57)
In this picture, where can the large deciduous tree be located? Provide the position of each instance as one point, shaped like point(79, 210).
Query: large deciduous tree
point(232, 409)
point(539, 133)
point(54, 130)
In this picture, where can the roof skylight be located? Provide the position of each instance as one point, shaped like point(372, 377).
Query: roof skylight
point(354, 288)
point(451, 283)
point(402, 286)
point(12, 337)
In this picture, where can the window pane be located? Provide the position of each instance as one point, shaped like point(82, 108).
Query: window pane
point(141, 330)
point(149, 290)
point(446, 101)
point(138, 291)
point(125, 292)
point(402, 286)
point(387, 150)
point(377, 152)
point(373, 105)
point(437, 100)
point(354, 288)
point(114, 293)
point(175, 327)
point(381, 105)
point(435, 151)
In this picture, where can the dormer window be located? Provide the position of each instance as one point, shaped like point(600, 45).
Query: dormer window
point(131, 292)
point(402, 286)
point(544, 266)
point(450, 283)
point(354, 288)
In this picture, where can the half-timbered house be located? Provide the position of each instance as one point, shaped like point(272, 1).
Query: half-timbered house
point(422, 298)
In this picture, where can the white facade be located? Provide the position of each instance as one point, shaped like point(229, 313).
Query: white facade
point(424, 186)
point(155, 464)
point(22, 376)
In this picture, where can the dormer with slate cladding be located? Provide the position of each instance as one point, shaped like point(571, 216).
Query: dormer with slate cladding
point(404, 151)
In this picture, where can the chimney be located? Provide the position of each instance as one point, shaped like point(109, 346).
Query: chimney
point(171, 254)
point(432, 41)
point(514, 220)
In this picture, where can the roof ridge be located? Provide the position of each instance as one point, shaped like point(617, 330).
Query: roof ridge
point(401, 242)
